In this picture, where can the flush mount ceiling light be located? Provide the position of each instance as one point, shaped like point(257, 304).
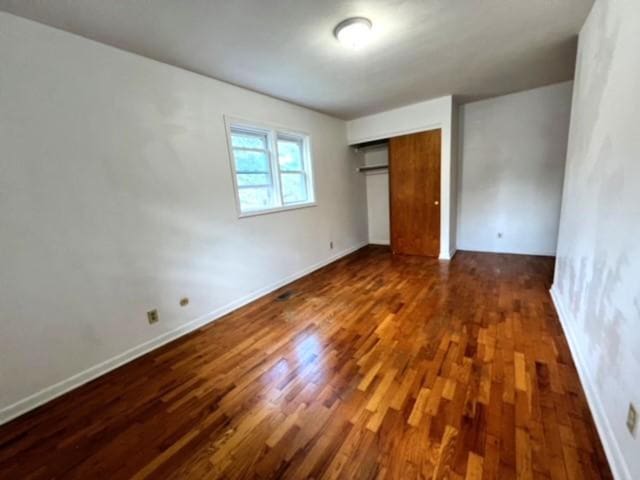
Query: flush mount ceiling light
point(353, 32)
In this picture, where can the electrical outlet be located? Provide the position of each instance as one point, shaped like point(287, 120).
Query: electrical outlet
point(184, 301)
point(152, 316)
point(331, 244)
point(632, 418)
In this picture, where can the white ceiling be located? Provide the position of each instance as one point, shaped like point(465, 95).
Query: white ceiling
point(422, 49)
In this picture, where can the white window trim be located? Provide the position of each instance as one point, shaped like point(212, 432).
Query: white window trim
point(272, 131)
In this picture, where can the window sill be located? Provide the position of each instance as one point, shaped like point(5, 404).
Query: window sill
point(277, 209)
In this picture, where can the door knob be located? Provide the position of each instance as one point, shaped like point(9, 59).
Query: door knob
point(436, 202)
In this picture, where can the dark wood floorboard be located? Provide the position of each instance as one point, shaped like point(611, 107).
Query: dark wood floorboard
point(374, 367)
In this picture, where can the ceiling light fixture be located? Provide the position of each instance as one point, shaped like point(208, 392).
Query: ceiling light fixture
point(353, 32)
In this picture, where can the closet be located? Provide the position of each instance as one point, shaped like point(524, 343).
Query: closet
point(414, 164)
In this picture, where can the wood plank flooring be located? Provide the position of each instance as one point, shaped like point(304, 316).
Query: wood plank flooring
point(374, 367)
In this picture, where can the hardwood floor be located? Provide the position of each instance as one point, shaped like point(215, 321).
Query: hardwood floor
point(373, 367)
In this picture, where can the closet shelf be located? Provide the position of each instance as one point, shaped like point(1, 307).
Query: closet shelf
point(369, 168)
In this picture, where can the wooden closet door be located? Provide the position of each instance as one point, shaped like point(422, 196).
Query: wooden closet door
point(414, 191)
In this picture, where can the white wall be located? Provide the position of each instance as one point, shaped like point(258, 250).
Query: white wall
point(419, 117)
point(116, 197)
point(513, 151)
point(378, 196)
point(597, 279)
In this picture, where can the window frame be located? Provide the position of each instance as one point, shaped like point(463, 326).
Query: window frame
point(286, 137)
point(272, 132)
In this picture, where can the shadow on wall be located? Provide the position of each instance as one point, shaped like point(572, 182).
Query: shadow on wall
point(595, 84)
point(590, 290)
point(594, 285)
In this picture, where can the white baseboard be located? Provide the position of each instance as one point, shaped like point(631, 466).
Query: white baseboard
point(447, 255)
point(374, 241)
point(618, 465)
point(49, 393)
point(507, 251)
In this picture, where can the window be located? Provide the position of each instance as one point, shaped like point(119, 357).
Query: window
point(271, 168)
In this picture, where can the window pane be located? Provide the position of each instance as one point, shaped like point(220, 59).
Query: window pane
point(248, 161)
point(290, 155)
point(261, 184)
point(254, 179)
point(248, 140)
point(257, 198)
point(294, 187)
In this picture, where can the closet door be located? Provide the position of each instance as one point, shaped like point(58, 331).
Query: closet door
point(414, 191)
